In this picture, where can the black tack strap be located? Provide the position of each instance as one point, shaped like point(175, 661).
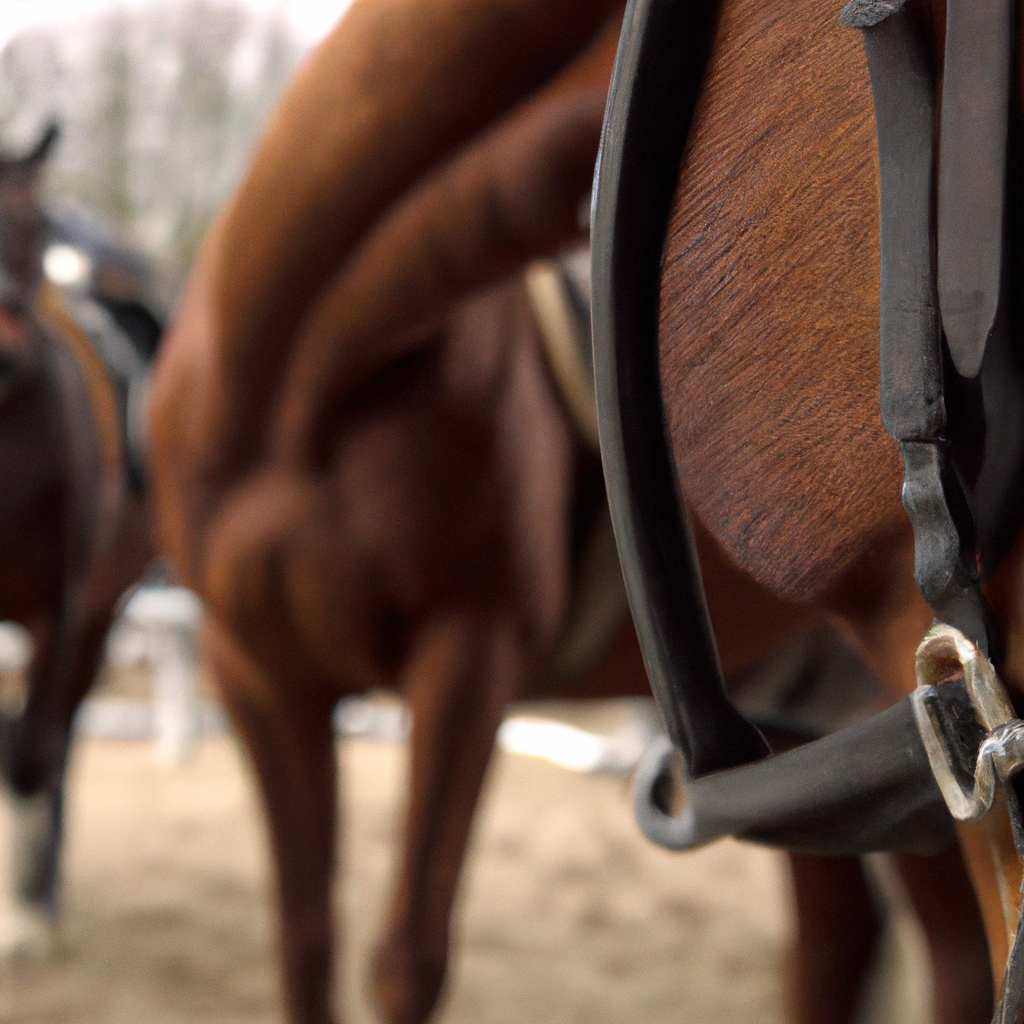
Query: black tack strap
point(944, 539)
point(911, 345)
point(663, 50)
point(903, 85)
point(967, 280)
point(972, 174)
point(867, 787)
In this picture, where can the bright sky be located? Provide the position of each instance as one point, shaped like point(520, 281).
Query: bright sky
point(311, 19)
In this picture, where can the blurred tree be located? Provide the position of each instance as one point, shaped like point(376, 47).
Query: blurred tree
point(109, 134)
point(31, 73)
point(202, 117)
point(160, 109)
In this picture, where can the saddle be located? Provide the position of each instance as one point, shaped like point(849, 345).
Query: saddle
point(112, 308)
point(129, 373)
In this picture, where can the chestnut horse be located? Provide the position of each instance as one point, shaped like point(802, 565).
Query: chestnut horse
point(360, 463)
point(73, 536)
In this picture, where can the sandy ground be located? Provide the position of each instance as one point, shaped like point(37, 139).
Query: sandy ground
point(568, 916)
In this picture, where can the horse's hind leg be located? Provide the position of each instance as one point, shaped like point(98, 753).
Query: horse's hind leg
point(462, 677)
point(289, 737)
point(33, 858)
point(34, 756)
point(837, 931)
point(946, 906)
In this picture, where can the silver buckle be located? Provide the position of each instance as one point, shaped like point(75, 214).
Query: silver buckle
point(1000, 754)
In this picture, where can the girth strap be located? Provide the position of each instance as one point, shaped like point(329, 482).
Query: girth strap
point(911, 345)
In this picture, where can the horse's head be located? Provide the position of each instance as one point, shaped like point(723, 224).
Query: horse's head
point(22, 224)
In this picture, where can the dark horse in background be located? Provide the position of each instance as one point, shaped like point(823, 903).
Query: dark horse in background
point(73, 534)
point(362, 466)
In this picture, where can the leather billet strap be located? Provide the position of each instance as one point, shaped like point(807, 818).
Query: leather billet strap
point(954, 288)
point(972, 174)
point(903, 82)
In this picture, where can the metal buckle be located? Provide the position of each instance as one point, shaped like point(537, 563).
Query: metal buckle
point(1000, 754)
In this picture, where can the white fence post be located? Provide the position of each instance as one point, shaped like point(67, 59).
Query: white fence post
point(171, 617)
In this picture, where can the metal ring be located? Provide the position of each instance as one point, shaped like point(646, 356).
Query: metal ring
point(1000, 754)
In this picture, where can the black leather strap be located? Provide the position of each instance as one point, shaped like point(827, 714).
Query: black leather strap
point(972, 174)
point(658, 74)
point(868, 787)
point(903, 83)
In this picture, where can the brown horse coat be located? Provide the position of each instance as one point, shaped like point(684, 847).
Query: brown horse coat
point(369, 481)
point(361, 465)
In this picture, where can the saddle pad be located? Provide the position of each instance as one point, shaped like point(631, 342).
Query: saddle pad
point(128, 371)
point(559, 292)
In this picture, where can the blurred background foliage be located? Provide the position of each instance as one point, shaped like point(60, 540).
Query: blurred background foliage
point(159, 109)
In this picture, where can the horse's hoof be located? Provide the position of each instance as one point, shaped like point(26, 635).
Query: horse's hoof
point(26, 933)
point(407, 982)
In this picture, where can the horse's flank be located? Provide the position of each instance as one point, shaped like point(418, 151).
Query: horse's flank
point(771, 289)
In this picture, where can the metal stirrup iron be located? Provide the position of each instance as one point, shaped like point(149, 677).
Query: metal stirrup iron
point(955, 746)
point(869, 787)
